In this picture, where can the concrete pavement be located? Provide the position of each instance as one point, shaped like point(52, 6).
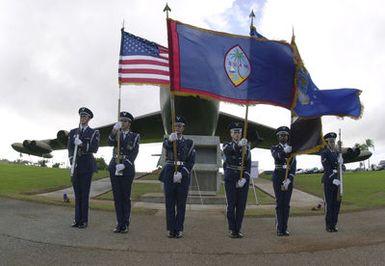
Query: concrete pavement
point(101, 186)
point(39, 234)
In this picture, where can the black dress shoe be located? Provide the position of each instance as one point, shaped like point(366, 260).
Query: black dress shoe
point(117, 230)
point(83, 226)
point(124, 230)
point(232, 234)
point(240, 235)
point(329, 230)
point(179, 234)
point(286, 233)
point(75, 224)
point(170, 234)
point(280, 234)
point(335, 229)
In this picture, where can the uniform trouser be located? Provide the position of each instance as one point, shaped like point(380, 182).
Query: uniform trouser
point(332, 205)
point(121, 189)
point(81, 183)
point(282, 199)
point(236, 203)
point(176, 197)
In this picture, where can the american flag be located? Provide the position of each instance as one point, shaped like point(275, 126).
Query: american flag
point(142, 61)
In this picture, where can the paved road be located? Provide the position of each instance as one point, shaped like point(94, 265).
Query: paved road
point(38, 234)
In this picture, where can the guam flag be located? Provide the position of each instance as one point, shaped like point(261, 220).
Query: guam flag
point(232, 68)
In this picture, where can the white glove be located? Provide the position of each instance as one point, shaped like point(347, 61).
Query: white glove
point(287, 149)
point(77, 141)
point(242, 142)
point(119, 167)
point(173, 136)
point(336, 182)
point(241, 182)
point(118, 125)
point(177, 177)
point(340, 160)
point(286, 183)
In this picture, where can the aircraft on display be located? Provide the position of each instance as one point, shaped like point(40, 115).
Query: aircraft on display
point(203, 117)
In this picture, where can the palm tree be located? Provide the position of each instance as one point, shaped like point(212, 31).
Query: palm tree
point(239, 58)
point(369, 144)
point(365, 147)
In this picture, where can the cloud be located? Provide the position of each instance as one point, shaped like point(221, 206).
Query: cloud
point(60, 55)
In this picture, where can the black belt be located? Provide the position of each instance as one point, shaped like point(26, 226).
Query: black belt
point(277, 166)
point(175, 162)
point(235, 167)
point(121, 156)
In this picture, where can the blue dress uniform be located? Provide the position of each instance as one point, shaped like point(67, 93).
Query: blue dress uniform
point(329, 159)
point(85, 166)
point(236, 196)
point(121, 184)
point(176, 193)
point(282, 196)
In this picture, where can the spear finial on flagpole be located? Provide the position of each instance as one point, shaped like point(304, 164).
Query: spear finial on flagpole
point(166, 9)
point(252, 16)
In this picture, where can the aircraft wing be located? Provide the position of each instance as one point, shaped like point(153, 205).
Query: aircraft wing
point(150, 127)
point(151, 130)
point(259, 136)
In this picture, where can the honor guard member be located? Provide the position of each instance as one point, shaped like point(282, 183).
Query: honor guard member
point(86, 142)
point(176, 177)
point(283, 188)
point(236, 187)
point(122, 168)
point(331, 181)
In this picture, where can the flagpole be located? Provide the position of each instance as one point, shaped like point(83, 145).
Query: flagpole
point(118, 133)
point(244, 148)
point(251, 16)
point(172, 104)
point(117, 151)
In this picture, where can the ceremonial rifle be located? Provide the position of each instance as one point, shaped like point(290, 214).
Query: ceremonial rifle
point(340, 174)
point(75, 154)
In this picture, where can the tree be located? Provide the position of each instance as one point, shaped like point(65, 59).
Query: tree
point(365, 147)
point(56, 165)
point(42, 163)
point(101, 163)
point(369, 144)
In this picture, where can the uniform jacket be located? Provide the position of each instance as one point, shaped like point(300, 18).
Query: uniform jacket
point(85, 161)
point(232, 156)
point(329, 161)
point(185, 154)
point(129, 148)
point(280, 161)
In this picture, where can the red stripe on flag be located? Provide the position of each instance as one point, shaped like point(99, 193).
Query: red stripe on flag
point(144, 71)
point(142, 62)
point(143, 80)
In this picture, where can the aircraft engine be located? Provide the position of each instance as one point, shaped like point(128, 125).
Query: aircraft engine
point(40, 146)
point(350, 153)
point(27, 144)
point(62, 137)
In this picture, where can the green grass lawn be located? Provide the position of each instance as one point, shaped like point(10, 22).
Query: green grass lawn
point(19, 179)
point(362, 190)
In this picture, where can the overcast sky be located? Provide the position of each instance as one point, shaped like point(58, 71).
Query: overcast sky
point(57, 56)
